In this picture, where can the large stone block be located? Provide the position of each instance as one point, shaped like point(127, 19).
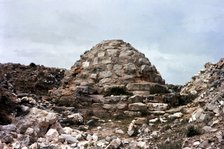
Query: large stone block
point(121, 106)
point(151, 87)
point(157, 106)
point(130, 68)
point(109, 106)
point(137, 106)
point(112, 52)
point(146, 69)
point(136, 98)
point(132, 113)
point(105, 74)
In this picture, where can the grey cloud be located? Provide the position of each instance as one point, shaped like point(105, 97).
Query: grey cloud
point(177, 36)
point(178, 67)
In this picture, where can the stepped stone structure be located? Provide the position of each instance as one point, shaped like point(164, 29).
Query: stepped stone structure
point(113, 63)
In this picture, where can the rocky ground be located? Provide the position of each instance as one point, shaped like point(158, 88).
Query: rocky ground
point(18, 81)
point(41, 109)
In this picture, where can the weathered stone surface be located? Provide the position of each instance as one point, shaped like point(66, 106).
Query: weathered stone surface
point(105, 74)
point(118, 70)
point(112, 52)
point(101, 54)
point(115, 143)
point(140, 86)
point(109, 106)
point(130, 68)
point(157, 106)
point(67, 130)
point(153, 120)
point(151, 87)
point(157, 112)
point(42, 115)
point(209, 129)
point(115, 99)
point(132, 113)
point(137, 106)
point(68, 138)
point(75, 118)
point(43, 119)
point(140, 120)
point(142, 61)
point(126, 53)
point(136, 98)
point(52, 134)
point(141, 93)
point(142, 144)
point(197, 115)
point(146, 69)
point(121, 106)
point(176, 115)
point(85, 64)
point(132, 129)
point(119, 131)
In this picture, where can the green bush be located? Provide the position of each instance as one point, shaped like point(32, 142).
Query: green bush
point(117, 91)
point(33, 65)
point(192, 131)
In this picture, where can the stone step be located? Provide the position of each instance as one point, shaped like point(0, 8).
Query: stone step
point(138, 106)
point(108, 99)
point(151, 88)
point(121, 106)
point(152, 98)
point(157, 106)
point(146, 98)
point(157, 112)
point(141, 93)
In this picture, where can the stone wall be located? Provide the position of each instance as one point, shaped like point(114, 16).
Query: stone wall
point(112, 63)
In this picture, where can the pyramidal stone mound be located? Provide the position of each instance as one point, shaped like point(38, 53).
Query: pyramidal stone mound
point(113, 63)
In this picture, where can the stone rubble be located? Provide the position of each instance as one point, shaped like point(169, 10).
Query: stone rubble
point(209, 86)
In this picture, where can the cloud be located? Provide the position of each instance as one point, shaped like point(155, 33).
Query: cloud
point(178, 36)
point(177, 67)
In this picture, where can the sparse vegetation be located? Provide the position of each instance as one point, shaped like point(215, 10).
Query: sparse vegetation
point(33, 65)
point(7, 105)
point(175, 100)
point(192, 131)
point(170, 145)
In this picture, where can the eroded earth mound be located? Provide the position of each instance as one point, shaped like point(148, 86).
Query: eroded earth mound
point(33, 79)
point(17, 81)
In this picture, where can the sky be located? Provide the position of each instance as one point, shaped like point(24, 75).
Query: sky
point(178, 36)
